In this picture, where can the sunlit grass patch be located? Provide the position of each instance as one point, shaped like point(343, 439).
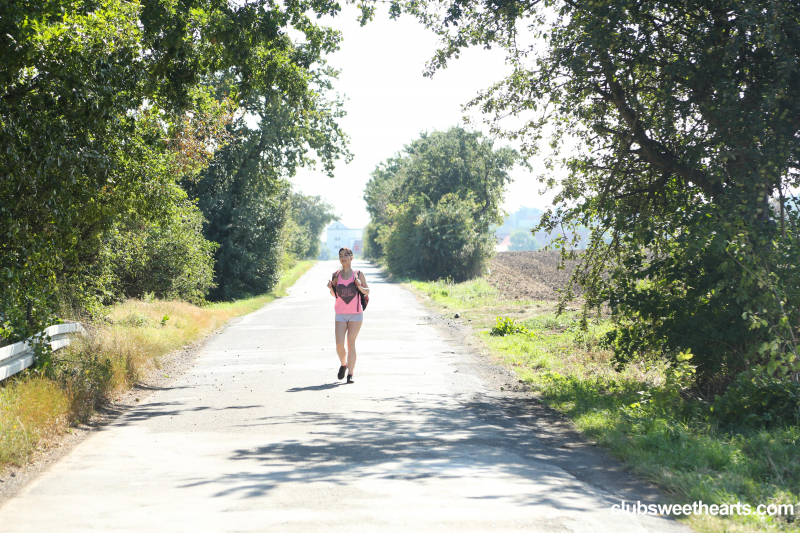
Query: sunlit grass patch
point(680, 449)
point(130, 341)
point(31, 412)
point(466, 295)
point(476, 300)
point(690, 457)
point(521, 350)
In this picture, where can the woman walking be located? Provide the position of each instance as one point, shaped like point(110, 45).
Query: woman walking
point(345, 286)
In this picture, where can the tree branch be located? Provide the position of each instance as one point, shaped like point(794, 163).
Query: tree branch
point(652, 151)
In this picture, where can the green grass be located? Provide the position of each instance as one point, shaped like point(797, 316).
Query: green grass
point(129, 342)
point(665, 440)
point(469, 295)
point(476, 301)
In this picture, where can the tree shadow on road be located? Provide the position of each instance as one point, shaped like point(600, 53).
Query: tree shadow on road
point(462, 444)
point(154, 410)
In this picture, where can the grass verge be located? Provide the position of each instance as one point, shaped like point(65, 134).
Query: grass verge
point(128, 343)
point(476, 301)
point(633, 414)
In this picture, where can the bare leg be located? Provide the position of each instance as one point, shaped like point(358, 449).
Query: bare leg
point(341, 329)
point(352, 332)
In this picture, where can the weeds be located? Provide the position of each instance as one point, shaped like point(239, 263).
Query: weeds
point(507, 326)
point(30, 414)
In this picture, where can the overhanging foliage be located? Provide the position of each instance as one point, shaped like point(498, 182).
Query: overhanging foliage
point(682, 122)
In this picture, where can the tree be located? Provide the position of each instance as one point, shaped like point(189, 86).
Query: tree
point(441, 241)
point(94, 98)
point(169, 259)
point(246, 197)
point(312, 214)
point(372, 248)
point(685, 117)
point(73, 154)
point(433, 204)
point(522, 241)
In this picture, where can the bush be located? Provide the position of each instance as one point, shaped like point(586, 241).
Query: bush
point(442, 241)
point(756, 399)
point(169, 259)
point(730, 293)
point(507, 326)
point(252, 249)
point(432, 205)
point(298, 240)
point(372, 248)
point(523, 241)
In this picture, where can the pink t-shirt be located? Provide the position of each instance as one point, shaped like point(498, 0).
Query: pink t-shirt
point(347, 300)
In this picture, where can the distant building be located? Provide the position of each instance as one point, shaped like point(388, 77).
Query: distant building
point(503, 242)
point(340, 236)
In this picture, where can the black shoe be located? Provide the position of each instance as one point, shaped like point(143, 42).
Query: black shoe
point(350, 378)
point(340, 375)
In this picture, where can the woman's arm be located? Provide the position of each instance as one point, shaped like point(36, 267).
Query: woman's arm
point(362, 283)
point(330, 286)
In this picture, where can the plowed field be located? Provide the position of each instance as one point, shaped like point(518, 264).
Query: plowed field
point(529, 275)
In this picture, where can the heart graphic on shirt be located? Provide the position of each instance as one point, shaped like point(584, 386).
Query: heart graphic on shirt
point(346, 292)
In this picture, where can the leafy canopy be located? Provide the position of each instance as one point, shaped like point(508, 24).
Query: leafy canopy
point(433, 204)
point(97, 101)
point(313, 215)
point(677, 123)
point(245, 194)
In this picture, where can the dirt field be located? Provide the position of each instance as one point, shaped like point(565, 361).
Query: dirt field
point(528, 275)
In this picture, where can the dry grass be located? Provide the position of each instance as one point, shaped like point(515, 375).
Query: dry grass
point(128, 343)
point(31, 414)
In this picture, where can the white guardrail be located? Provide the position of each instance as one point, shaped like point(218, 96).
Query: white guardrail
point(19, 356)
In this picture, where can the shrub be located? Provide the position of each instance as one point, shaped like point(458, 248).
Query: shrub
point(729, 293)
point(298, 240)
point(757, 399)
point(170, 259)
point(251, 231)
point(372, 248)
point(507, 326)
point(442, 241)
point(433, 204)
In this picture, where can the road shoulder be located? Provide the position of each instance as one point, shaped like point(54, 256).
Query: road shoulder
point(15, 478)
point(509, 403)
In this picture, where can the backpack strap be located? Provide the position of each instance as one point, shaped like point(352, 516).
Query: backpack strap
point(358, 292)
point(333, 281)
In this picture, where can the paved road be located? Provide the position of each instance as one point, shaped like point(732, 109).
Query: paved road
point(259, 435)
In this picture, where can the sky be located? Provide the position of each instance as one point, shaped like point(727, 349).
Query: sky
point(389, 103)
